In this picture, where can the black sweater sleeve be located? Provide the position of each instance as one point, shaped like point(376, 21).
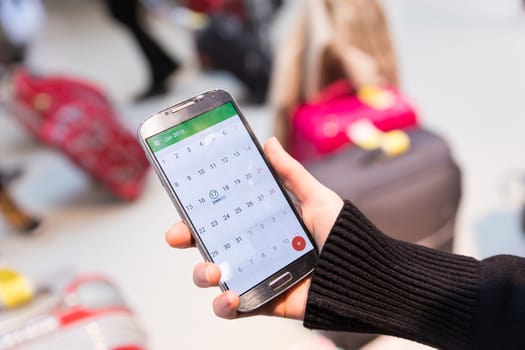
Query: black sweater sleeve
point(368, 282)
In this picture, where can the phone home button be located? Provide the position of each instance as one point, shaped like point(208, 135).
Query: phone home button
point(281, 281)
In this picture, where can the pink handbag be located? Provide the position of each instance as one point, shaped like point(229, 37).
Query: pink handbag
point(320, 127)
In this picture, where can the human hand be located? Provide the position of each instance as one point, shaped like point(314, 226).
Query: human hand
point(318, 206)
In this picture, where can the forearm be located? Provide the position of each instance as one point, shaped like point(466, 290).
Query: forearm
point(368, 282)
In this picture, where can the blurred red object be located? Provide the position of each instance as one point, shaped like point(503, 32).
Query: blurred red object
point(77, 118)
point(235, 7)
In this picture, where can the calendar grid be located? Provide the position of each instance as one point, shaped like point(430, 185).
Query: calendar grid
point(234, 203)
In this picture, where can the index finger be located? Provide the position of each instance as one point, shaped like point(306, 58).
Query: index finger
point(179, 236)
point(293, 174)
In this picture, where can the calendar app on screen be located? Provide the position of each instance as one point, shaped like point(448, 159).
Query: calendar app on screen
point(230, 196)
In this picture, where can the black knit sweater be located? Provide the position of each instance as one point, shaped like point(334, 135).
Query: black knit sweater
point(368, 282)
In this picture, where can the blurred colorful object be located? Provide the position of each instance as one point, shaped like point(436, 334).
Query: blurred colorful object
point(88, 313)
point(334, 120)
point(236, 7)
point(367, 136)
point(77, 118)
point(15, 289)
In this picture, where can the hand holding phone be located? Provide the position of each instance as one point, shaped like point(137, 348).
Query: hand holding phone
point(319, 208)
point(238, 212)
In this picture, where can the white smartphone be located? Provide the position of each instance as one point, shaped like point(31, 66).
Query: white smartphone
point(241, 217)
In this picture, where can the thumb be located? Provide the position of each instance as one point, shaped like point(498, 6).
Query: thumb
point(292, 173)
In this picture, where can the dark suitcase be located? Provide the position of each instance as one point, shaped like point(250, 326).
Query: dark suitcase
point(227, 44)
point(413, 197)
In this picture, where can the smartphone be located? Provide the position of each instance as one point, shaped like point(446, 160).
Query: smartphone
point(241, 217)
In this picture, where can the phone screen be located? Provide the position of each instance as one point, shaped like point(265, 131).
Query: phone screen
point(230, 197)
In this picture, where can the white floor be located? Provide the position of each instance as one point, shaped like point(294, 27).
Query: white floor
point(462, 64)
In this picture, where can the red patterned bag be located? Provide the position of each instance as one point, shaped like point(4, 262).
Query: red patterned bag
point(77, 118)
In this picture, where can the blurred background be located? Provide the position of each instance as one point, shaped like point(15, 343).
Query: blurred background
point(458, 63)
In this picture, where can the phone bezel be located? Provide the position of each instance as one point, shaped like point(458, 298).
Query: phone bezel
point(192, 107)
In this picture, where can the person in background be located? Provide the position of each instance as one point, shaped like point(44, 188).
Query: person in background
point(160, 64)
point(20, 24)
point(15, 217)
point(366, 281)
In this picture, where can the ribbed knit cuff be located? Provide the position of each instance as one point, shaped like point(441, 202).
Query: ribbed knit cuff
point(368, 282)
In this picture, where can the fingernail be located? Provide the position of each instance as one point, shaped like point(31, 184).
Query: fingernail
point(226, 301)
point(203, 274)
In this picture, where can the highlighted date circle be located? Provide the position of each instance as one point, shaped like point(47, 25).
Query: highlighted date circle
point(298, 243)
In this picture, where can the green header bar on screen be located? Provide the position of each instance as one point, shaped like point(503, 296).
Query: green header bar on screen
point(191, 127)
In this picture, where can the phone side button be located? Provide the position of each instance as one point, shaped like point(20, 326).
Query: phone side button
point(281, 281)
